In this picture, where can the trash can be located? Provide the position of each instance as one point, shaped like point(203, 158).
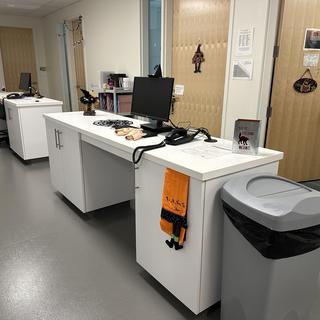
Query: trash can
point(271, 255)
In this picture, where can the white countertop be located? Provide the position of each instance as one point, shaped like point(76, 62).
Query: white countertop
point(32, 102)
point(198, 159)
point(3, 94)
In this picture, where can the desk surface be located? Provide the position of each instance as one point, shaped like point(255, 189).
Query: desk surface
point(32, 102)
point(198, 159)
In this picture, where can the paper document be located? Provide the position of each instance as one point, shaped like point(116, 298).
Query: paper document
point(208, 151)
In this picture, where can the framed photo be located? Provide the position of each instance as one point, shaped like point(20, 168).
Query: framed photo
point(312, 39)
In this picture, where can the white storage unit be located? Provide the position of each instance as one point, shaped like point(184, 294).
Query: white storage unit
point(26, 126)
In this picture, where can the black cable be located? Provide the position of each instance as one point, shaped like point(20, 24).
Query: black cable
point(142, 149)
point(172, 123)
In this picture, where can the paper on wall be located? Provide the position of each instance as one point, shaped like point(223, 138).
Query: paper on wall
point(311, 60)
point(179, 89)
point(242, 69)
point(244, 42)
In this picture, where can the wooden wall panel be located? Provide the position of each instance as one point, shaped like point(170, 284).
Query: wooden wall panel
point(17, 50)
point(294, 127)
point(205, 22)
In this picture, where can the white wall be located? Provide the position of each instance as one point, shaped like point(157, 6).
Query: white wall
point(2, 82)
point(249, 98)
point(38, 39)
point(111, 31)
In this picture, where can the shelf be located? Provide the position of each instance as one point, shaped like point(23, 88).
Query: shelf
point(115, 90)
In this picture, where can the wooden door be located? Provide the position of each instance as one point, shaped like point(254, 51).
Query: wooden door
point(78, 58)
point(294, 127)
point(18, 55)
point(205, 22)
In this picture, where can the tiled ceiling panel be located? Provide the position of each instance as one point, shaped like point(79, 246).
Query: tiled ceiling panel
point(33, 8)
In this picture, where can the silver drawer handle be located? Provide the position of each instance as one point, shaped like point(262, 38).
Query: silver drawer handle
point(60, 145)
point(55, 137)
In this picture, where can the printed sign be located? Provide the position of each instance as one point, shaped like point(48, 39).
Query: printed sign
point(246, 136)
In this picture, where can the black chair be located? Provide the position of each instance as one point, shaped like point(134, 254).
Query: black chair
point(3, 133)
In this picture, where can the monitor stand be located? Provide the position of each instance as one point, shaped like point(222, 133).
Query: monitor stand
point(156, 126)
point(28, 94)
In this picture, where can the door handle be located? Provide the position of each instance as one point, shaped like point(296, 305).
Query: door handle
point(55, 137)
point(60, 145)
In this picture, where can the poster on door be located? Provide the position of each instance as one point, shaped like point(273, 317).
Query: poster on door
point(312, 39)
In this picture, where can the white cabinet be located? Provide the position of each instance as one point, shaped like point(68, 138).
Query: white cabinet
point(66, 162)
point(14, 130)
point(26, 125)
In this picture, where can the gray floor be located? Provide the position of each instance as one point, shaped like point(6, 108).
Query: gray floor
point(57, 264)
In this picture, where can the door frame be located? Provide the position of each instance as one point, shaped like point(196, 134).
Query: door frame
point(275, 57)
point(260, 88)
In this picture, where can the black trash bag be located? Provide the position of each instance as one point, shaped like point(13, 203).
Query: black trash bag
point(274, 244)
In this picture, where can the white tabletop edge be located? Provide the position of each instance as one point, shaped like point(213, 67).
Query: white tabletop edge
point(31, 103)
point(157, 156)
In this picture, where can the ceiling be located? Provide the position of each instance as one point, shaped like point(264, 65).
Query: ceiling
point(32, 8)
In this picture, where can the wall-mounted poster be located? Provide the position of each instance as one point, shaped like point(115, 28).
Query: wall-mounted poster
point(244, 42)
point(312, 39)
point(311, 59)
point(242, 69)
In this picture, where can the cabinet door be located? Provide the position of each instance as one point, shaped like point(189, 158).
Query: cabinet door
point(14, 130)
point(34, 131)
point(70, 148)
point(173, 269)
point(55, 157)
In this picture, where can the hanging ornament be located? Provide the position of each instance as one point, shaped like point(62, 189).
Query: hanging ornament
point(197, 59)
point(74, 26)
point(305, 85)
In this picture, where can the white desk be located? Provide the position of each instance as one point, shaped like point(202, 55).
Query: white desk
point(92, 167)
point(3, 94)
point(26, 126)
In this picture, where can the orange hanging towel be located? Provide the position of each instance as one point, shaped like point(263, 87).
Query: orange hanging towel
point(174, 207)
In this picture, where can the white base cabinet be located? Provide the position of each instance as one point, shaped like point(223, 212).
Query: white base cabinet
point(66, 162)
point(26, 126)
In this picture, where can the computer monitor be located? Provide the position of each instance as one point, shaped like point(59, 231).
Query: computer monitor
point(152, 99)
point(25, 82)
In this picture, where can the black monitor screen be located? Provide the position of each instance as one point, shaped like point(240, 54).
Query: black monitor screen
point(152, 97)
point(25, 81)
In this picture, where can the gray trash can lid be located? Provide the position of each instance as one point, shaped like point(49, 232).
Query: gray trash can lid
point(273, 201)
